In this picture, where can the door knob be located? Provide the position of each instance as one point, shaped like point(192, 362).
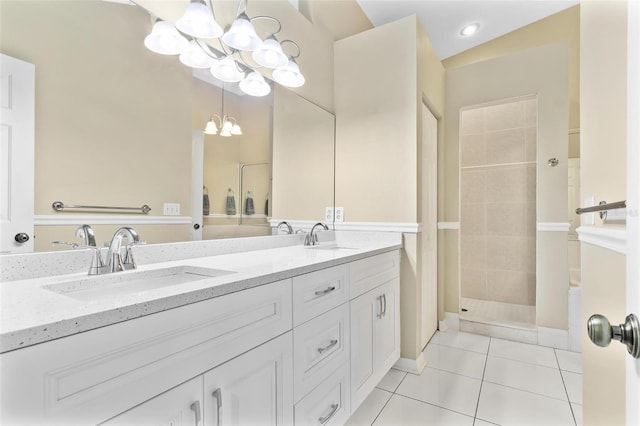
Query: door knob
point(21, 237)
point(601, 332)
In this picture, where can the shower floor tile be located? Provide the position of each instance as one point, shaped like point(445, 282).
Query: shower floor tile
point(499, 313)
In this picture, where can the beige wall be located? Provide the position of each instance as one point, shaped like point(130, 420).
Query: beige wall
point(303, 158)
point(542, 71)
point(378, 126)
point(603, 91)
point(560, 27)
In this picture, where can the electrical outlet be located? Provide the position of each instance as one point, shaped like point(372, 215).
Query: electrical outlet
point(339, 211)
point(172, 209)
point(328, 214)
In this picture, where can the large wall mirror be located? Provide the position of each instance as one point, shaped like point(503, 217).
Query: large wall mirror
point(114, 125)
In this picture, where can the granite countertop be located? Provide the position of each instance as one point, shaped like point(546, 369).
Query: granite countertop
point(32, 314)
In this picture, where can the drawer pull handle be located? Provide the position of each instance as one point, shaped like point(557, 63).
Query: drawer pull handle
point(329, 346)
point(217, 394)
point(325, 419)
point(384, 312)
point(195, 407)
point(327, 291)
point(380, 311)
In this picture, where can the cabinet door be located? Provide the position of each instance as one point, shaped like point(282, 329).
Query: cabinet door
point(387, 329)
point(255, 388)
point(364, 312)
point(179, 406)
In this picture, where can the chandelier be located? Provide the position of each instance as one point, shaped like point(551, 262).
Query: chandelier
point(198, 22)
point(227, 125)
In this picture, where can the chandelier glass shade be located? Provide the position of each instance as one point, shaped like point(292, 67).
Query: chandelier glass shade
point(165, 39)
point(226, 125)
point(198, 22)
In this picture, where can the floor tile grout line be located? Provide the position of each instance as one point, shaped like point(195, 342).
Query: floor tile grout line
point(527, 391)
point(524, 362)
point(486, 359)
point(564, 384)
point(433, 405)
point(382, 409)
point(460, 349)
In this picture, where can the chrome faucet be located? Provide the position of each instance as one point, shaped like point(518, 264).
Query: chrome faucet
point(289, 228)
point(114, 261)
point(312, 238)
point(86, 232)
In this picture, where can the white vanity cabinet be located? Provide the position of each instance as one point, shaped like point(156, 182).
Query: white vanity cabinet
point(251, 389)
point(304, 350)
point(180, 406)
point(375, 329)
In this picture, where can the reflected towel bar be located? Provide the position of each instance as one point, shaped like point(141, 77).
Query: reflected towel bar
point(603, 206)
point(60, 206)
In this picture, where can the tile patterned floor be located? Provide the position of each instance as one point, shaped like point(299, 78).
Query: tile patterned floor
point(477, 381)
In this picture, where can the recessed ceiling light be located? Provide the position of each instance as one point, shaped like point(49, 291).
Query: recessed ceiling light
point(467, 30)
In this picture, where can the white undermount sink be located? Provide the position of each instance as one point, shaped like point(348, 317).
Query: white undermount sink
point(98, 287)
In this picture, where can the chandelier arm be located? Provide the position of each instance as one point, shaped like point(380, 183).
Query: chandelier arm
point(206, 49)
point(210, 4)
point(240, 2)
point(271, 18)
point(244, 62)
point(295, 44)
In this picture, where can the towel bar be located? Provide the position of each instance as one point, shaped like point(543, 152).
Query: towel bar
point(60, 206)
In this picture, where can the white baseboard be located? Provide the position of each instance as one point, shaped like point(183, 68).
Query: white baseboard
point(553, 337)
point(413, 366)
point(451, 322)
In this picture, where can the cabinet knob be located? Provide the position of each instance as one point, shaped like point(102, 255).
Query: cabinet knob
point(21, 237)
point(601, 332)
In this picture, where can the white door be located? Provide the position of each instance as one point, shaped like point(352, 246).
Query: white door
point(180, 406)
point(255, 388)
point(17, 93)
point(429, 220)
point(633, 202)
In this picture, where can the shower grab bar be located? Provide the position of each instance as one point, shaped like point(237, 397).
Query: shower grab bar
point(603, 206)
point(60, 206)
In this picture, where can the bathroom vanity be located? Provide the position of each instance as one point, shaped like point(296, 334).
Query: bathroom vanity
point(287, 335)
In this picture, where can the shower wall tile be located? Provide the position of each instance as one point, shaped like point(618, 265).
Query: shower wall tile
point(472, 121)
point(532, 183)
point(472, 219)
point(531, 255)
point(472, 186)
point(473, 283)
point(506, 185)
point(531, 289)
point(506, 219)
point(498, 202)
point(504, 116)
point(530, 144)
point(507, 286)
point(507, 253)
point(531, 220)
point(473, 251)
point(505, 146)
point(472, 150)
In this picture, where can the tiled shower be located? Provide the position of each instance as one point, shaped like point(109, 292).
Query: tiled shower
point(498, 145)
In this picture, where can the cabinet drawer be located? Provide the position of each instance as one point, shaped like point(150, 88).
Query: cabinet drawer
point(319, 347)
point(317, 292)
point(373, 271)
point(328, 404)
